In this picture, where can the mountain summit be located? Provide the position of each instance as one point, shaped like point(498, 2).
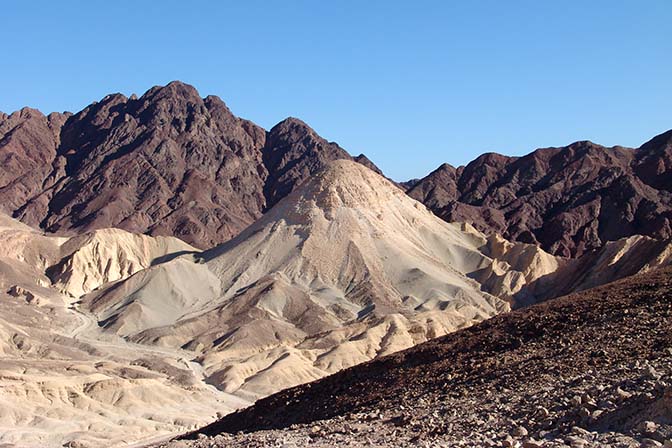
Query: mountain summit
point(167, 163)
point(570, 200)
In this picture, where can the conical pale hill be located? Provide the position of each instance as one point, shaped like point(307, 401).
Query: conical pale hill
point(344, 269)
point(351, 234)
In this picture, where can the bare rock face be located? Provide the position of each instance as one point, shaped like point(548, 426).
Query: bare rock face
point(293, 153)
point(570, 200)
point(28, 143)
point(167, 163)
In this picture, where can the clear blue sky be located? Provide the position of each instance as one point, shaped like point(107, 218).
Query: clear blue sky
point(411, 84)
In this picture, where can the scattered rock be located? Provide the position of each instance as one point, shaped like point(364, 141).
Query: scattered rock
point(519, 431)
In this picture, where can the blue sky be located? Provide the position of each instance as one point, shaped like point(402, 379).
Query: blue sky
point(411, 84)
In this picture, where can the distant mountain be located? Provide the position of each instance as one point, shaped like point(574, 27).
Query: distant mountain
point(167, 163)
point(570, 200)
point(173, 163)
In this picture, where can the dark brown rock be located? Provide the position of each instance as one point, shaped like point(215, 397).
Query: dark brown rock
point(294, 152)
point(28, 142)
point(167, 163)
point(654, 162)
point(570, 200)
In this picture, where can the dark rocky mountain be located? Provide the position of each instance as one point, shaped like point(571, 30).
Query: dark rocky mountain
point(408, 184)
point(654, 162)
point(28, 144)
point(173, 163)
point(569, 200)
point(292, 153)
point(167, 163)
point(589, 369)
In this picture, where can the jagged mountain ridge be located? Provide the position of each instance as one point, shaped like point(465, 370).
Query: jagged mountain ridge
point(173, 163)
point(167, 163)
point(570, 199)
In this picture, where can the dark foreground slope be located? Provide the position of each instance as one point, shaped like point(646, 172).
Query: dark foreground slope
point(589, 369)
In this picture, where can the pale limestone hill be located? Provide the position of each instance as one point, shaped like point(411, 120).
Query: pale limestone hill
point(344, 269)
point(103, 256)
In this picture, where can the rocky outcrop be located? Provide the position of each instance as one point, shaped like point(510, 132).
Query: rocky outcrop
point(28, 144)
point(167, 163)
point(570, 200)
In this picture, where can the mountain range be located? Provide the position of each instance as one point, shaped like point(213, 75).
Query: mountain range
point(167, 163)
point(167, 263)
point(173, 163)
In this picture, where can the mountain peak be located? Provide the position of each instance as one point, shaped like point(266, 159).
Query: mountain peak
point(293, 130)
point(293, 150)
point(173, 88)
point(362, 159)
point(345, 183)
point(657, 142)
point(291, 122)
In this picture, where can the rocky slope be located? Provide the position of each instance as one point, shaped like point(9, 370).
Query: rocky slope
point(589, 369)
point(167, 163)
point(570, 200)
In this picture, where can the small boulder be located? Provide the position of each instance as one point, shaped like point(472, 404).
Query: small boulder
point(520, 431)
